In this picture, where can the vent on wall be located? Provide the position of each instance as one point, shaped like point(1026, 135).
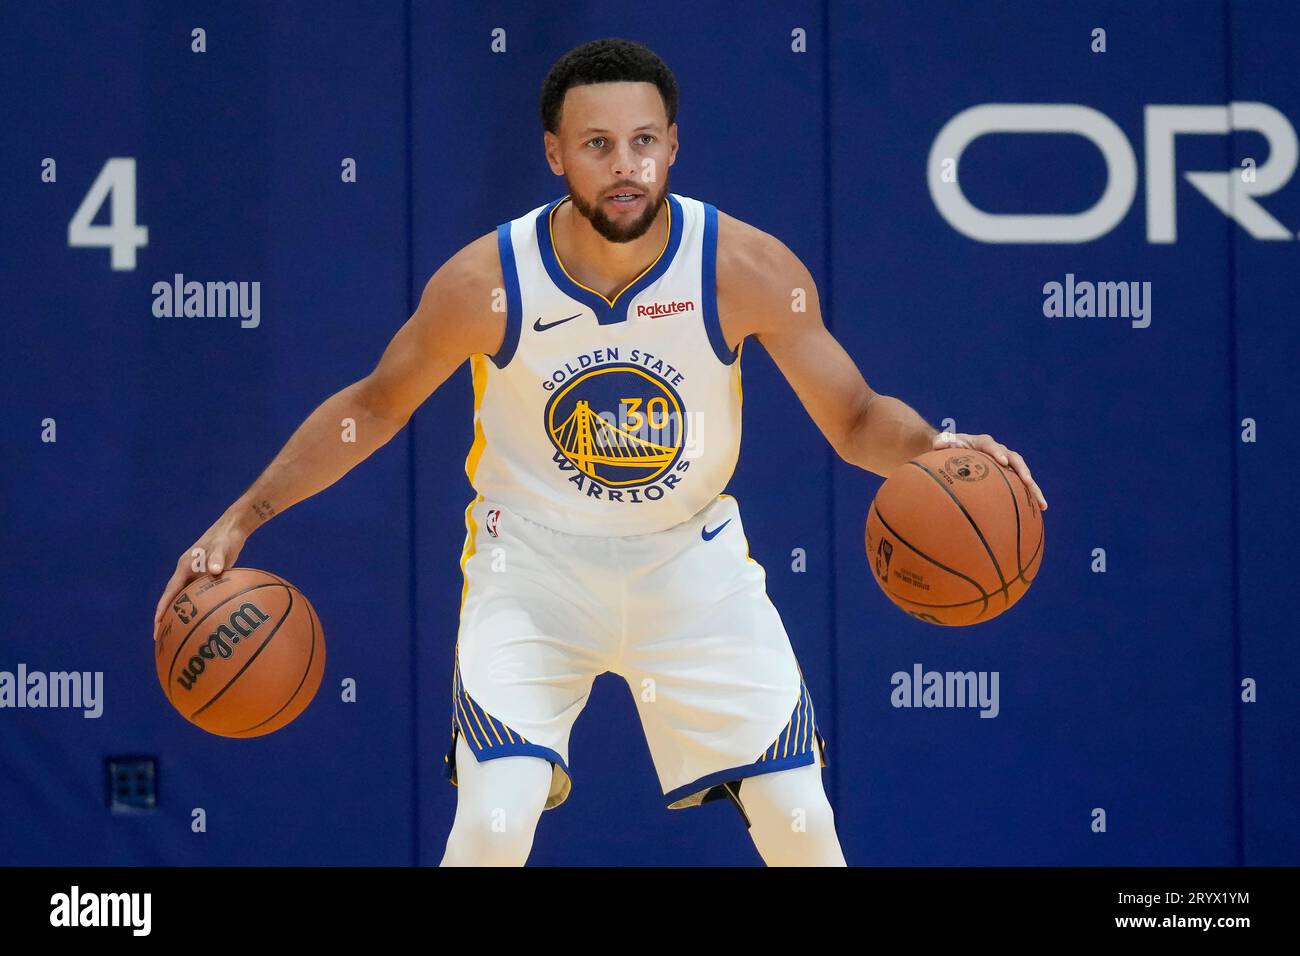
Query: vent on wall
point(132, 784)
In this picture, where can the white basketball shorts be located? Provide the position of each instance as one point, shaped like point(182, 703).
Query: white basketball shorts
point(682, 615)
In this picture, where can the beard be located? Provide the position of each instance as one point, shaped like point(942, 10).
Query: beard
point(615, 231)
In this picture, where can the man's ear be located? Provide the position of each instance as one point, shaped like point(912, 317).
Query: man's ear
point(551, 147)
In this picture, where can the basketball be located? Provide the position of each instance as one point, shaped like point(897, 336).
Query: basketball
point(954, 537)
point(240, 655)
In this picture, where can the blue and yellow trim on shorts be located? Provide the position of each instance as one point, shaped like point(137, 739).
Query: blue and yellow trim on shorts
point(490, 737)
point(793, 747)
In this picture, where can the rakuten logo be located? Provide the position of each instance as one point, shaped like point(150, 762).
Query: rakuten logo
point(1232, 193)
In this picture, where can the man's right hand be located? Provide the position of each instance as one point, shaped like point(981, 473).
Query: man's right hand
point(215, 551)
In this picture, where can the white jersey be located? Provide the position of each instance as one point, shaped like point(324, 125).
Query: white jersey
point(608, 417)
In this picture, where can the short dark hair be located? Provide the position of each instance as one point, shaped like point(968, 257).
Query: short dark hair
point(611, 60)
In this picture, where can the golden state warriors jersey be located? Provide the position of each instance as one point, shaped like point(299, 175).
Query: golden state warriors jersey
point(608, 416)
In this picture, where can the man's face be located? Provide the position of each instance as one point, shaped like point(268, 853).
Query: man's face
point(613, 139)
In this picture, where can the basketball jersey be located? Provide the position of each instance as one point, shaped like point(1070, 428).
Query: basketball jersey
point(600, 416)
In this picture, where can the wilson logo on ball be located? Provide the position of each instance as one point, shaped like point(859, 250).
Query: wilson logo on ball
point(221, 643)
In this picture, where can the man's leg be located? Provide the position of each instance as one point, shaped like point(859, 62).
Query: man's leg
point(791, 821)
point(531, 640)
point(714, 677)
point(498, 803)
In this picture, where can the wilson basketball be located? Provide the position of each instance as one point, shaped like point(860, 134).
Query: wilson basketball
point(240, 655)
point(954, 537)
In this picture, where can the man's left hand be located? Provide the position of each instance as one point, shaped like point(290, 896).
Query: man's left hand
point(998, 451)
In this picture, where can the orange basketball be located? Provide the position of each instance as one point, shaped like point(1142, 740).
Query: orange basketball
point(240, 655)
point(954, 537)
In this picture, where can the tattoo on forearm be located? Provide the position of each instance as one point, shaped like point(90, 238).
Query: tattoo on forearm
point(263, 509)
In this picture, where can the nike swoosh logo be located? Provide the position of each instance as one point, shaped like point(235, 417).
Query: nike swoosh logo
point(708, 535)
point(550, 325)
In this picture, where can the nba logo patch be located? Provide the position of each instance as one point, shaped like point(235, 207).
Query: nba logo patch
point(184, 608)
point(492, 517)
point(883, 554)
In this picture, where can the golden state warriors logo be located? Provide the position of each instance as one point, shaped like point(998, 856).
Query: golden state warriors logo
point(621, 427)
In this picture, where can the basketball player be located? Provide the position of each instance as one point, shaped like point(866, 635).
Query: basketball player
point(604, 331)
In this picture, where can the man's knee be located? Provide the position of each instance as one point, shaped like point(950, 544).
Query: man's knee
point(498, 805)
point(495, 837)
point(795, 796)
point(791, 821)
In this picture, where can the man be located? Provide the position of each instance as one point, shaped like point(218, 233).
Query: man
point(604, 332)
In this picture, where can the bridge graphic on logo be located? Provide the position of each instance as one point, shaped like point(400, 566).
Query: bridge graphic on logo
point(618, 425)
point(589, 441)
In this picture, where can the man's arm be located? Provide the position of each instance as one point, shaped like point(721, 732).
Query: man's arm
point(765, 291)
point(453, 321)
